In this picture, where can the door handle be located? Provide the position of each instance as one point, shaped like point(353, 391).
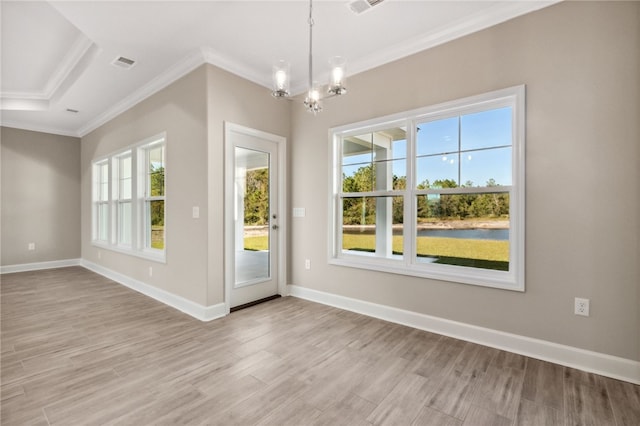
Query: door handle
point(274, 227)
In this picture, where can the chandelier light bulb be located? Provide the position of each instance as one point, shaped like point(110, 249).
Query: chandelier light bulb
point(281, 79)
point(337, 80)
point(337, 76)
point(281, 76)
point(314, 94)
point(312, 101)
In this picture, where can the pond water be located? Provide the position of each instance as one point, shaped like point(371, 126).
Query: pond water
point(474, 234)
point(470, 234)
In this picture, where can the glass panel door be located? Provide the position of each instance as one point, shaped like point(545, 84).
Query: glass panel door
point(252, 216)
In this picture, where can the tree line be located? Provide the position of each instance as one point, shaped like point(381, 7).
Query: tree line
point(362, 211)
point(256, 198)
point(157, 189)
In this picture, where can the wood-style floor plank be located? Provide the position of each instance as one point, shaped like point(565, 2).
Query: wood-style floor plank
point(625, 399)
point(77, 348)
point(500, 391)
point(532, 414)
point(431, 417)
point(543, 383)
point(402, 405)
point(586, 399)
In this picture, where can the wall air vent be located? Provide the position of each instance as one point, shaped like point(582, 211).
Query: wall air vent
point(123, 62)
point(361, 6)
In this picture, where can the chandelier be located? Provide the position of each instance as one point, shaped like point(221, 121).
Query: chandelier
point(281, 76)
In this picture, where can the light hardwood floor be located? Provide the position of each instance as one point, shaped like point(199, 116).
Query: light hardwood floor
point(78, 349)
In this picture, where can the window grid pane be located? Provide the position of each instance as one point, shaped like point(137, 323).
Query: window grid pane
point(155, 169)
point(460, 170)
point(154, 202)
point(373, 226)
point(124, 223)
point(471, 230)
point(155, 231)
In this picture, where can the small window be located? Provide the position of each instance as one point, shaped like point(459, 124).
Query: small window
point(129, 200)
point(436, 192)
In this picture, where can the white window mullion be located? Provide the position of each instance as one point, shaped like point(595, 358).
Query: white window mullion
point(410, 208)
point(471, 136)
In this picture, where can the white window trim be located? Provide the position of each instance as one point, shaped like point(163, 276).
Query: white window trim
point(138, 152)
point(509, 280)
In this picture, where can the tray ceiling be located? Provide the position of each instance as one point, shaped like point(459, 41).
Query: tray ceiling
point(58, 56)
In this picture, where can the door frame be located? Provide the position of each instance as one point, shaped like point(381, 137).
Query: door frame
point(229, 205)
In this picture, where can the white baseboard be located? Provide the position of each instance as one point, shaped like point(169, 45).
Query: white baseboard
point(25, 267)
point(203, 313)
point(594, 362)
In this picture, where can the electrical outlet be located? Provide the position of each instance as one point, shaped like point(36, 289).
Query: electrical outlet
point(31, 246)
point(581, 307)
point(150, 271)
point(307, 264)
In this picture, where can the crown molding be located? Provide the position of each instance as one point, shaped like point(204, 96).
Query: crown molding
point(40, 129)
point(83, 49)
point(212, 57)
point(178, 70)
point(181, 68)
point(495, 15)
point(77, 59)
point(79, 56)
point(17, 102)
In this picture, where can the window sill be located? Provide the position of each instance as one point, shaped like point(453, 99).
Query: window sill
point(457, 274)
point(154, 256)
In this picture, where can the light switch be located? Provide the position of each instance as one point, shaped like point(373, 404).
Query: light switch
point(196, 212)
point(299, 212)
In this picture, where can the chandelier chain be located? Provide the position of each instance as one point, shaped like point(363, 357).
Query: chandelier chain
point(312, 102)
point(311, 43)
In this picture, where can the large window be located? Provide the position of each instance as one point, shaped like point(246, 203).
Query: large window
point(129, 200)
point(436, 192)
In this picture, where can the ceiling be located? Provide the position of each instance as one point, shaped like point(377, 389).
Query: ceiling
point(57, 56)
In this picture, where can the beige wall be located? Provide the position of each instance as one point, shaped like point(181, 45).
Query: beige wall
point(180, 111)
point(192, 111)
point(40, 197)
point(580, 64)
point(238, 101)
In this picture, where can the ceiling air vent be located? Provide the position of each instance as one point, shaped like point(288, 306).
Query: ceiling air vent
point(123, 62)
point(360, 6)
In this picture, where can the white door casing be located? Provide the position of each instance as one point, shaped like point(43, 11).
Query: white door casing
point(251, 275)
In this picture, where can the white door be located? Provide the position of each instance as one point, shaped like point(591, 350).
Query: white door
point(252, 239)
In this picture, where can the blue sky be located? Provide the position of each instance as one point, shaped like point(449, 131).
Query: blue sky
point(480, 159)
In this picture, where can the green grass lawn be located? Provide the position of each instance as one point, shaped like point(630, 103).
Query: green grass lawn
point(437, 246)
point(487, 254)
point(256, 243)
point(157, 237)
